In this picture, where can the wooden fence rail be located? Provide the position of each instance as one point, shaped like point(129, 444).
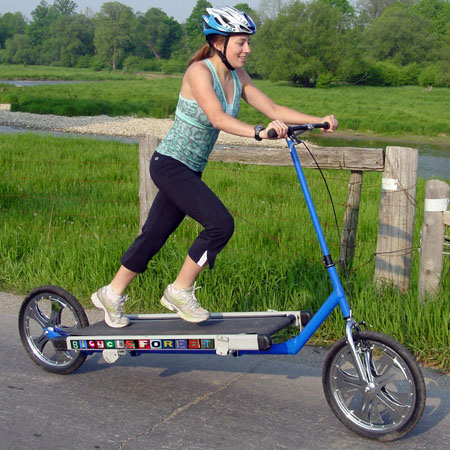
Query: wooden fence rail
point(394, 248)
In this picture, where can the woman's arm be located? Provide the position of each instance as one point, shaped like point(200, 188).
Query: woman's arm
point(260, 101)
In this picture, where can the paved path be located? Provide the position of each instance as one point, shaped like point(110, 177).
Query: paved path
point(189, 401)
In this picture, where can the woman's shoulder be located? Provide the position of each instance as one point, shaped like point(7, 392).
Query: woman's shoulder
point(244, 77)
point(198, 68)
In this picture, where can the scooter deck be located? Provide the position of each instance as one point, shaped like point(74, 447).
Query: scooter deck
point(176, 326)
point(218, 334)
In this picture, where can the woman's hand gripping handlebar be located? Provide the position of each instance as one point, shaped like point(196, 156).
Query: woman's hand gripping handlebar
point(295, 130)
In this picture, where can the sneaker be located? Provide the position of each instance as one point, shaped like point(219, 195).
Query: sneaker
point(113, 309)
point(185, 303)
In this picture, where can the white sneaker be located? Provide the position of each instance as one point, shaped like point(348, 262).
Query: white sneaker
point(185, 303)
point(113, 309)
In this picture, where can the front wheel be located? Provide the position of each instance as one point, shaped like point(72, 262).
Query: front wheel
point(51, 308)
point(391, 403)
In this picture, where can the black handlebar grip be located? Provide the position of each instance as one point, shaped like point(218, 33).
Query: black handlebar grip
point(327, 125)
point(272, 133)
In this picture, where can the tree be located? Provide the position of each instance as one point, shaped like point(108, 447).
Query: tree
point(11, 24)
point(43, 15)
point(302, 42)
point(18, 50)
point(158, 32)
point(64, 7)
point(115, 24)
point(369, 10)
point(70, 37)
point(402, 35)
point(193, 27)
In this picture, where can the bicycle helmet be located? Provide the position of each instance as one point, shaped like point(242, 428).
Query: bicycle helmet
point(226, 21)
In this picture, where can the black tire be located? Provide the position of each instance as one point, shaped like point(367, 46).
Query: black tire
point(51, 306)
point(393, 405)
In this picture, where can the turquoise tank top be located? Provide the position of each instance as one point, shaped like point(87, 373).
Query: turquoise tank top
point(192, 136)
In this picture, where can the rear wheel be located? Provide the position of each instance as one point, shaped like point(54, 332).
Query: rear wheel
point(45, 308)
point(387, 407)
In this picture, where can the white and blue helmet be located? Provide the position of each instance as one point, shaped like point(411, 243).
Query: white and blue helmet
point(226, 20)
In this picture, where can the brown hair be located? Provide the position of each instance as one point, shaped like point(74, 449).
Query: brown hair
point(206, 51)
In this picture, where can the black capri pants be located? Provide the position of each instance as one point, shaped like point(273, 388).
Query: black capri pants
point(181, 193)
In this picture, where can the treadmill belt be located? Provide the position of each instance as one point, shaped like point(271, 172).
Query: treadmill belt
point(160, 327)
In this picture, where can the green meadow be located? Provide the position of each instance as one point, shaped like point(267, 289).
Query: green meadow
point(386, 111)
point(69, 208)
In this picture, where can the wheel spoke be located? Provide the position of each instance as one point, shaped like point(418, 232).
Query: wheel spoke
point(39, 342)
point(364, 407)
point(36, 314)
point(56, 311)
point(347, 382)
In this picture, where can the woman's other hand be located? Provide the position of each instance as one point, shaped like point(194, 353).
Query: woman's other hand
point(332, 121)
point(280, 127)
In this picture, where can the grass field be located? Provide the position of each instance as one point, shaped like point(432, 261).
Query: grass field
point(69, 209)
point(390, 111)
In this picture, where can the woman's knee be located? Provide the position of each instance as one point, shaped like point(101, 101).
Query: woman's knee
point(225, 227)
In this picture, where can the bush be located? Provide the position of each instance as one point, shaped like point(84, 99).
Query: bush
point(98, 63)
point(136, 64)
point(324, 80)
point(173, 65)
point(83, 62)
point(409, 74)
point(434, 75)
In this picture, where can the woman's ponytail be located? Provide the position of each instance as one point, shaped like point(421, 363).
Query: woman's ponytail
point(206, 50)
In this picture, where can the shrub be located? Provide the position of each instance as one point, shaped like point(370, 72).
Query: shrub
point(173, 65)
point(409, 74)
point(136, 64)
point(434, 75)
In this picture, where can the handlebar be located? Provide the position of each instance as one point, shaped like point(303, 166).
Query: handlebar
point(294, 130)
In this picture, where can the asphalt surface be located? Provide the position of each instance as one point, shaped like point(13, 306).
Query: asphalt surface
point(189, 402)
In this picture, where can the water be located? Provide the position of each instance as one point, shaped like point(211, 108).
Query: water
point(27, 83)
point(434, 160)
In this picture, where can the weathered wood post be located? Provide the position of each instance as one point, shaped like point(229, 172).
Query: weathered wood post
point(433, 232)
point(396, 218)
point(348, 239)
point(147, 189)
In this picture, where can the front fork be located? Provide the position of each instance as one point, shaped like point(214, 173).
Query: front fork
point(351, 330)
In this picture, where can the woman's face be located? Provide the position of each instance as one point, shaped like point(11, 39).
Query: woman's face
point(238, 49)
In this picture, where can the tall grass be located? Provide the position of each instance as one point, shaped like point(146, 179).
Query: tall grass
point(70, 208)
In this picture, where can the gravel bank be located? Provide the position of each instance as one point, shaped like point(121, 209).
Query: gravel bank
point(111, 126)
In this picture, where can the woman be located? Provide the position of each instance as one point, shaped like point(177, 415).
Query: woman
point(209, 102)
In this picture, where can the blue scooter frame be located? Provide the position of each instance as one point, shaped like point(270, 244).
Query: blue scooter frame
point(337, 297)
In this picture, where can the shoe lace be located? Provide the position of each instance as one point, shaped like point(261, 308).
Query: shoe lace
point(190, 296)
point(118, 306)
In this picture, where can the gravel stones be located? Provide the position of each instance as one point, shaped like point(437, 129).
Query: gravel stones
point(112, 126)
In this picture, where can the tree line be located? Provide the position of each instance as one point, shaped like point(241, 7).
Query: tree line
point(309, 43)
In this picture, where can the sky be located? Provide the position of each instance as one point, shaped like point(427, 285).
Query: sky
point(178, 9)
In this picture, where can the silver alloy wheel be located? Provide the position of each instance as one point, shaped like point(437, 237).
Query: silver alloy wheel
point(49, 311)
point(388, 401)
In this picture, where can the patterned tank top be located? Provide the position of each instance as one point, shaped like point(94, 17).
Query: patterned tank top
point(192, 136)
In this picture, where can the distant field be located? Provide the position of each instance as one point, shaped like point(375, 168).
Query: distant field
point(391, 111)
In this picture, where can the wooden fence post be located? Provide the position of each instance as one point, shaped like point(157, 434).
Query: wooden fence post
point(351, 219)
point(147, 189)
point(396, 218)
point(433, 231)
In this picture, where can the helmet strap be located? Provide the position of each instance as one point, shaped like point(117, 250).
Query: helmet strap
point(221, 54)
